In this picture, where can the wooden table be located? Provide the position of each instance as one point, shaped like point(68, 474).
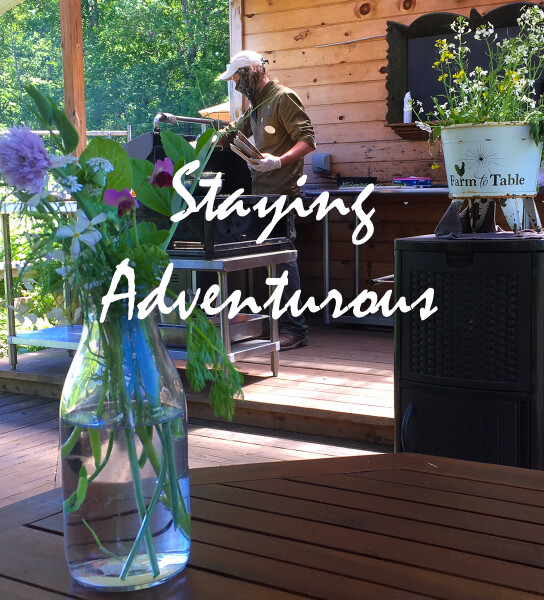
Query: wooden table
point(366, 527)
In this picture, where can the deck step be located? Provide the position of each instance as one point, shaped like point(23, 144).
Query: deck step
point(341, 386)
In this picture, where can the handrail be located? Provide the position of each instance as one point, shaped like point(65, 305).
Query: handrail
point(108, 133)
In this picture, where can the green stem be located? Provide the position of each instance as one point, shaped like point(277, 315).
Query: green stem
point(133, 456)
point(99, 543)
point(135, 230)
point(173, 500)
point(69, 444)
point(168, 456)
point(69, 501)
point(140, 502)
point(144, 524)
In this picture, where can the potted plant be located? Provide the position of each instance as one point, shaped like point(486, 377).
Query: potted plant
point(123, 417)
point(489, 119)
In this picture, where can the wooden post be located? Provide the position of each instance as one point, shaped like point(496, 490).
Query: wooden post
point(72, 65)
point(236, 35)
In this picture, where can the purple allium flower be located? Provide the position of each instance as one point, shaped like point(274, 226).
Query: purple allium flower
point(123, 200)
point(163, 173)
point(23, 159)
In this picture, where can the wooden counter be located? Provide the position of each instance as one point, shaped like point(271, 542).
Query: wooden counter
point(399, 213)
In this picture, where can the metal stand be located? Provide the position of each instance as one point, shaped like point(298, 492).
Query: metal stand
point(66, 337)
point(377, 319)
point(8, 286)
point(222, 266)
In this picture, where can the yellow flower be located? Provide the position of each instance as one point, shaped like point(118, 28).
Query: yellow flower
point(443, 77)
point(459, 75)
point(435, 166)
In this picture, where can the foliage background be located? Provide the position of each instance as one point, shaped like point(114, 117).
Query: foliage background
point(141, 57)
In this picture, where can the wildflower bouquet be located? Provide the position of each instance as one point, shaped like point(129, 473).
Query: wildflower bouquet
point(122, 400)
point(502, 92)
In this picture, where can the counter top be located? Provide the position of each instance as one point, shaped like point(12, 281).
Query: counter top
point(381, 189)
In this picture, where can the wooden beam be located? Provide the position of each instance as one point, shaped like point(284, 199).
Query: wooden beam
point(236, 35)
point(72, 65)
point(6, 5)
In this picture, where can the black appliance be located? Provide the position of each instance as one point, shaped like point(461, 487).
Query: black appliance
point(469, 380)
point(195, 236)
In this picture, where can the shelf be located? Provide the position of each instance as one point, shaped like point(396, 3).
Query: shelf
point(239, 350)
point(66, 337)
point(408, 131)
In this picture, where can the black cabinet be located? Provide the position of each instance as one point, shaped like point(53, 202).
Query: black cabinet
point(469, 380)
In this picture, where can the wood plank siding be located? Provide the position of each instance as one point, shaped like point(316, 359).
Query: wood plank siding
point(344, 90)
point(343, 86)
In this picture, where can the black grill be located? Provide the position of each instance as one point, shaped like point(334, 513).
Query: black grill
point(195, 236)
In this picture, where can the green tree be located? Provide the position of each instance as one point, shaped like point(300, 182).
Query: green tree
point(140, 58)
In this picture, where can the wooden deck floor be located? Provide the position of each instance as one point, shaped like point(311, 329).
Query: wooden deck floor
point(331, 397)
point(340, 385)
point(29, 444)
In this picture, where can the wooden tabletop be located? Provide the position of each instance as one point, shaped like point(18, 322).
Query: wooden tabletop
point(365, 527)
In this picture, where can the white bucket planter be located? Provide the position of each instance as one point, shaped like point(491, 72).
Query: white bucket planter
point(490, 160)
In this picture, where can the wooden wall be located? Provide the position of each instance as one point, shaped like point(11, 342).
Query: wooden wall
point(343, 86)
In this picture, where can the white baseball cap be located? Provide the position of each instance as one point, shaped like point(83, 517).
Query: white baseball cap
point(245, 58)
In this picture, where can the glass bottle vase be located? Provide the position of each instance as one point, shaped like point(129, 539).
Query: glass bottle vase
point(123, 424)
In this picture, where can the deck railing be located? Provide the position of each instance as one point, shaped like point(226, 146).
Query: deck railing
point(105, 133)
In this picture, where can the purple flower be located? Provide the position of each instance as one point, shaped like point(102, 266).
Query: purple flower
point(23, 160)
point(163, 173)
point(123, 200)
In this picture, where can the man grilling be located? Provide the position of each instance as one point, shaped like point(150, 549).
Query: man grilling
point(283, 133)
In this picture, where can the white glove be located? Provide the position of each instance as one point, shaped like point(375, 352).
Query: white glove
point(268, 163)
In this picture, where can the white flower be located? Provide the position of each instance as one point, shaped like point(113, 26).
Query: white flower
point(63, 271)
point(71, 184)
point(56, 313)
point(81, 231)
point(100, 164)
point(424, 126)
point(484, 32)
point(61, 161)
point(39, 196)
point(57, 255)
point(29, 284)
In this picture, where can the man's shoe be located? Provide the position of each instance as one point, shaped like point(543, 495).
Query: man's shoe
point(288, 341)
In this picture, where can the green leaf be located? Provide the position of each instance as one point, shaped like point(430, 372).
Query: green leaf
point(94, 438)
point(177, 147)
point(99, 543)
point(204, 140)
point(81, 492)
point(148, 234)
point(177, 166)
point(141, 172)
point(154, 198)
point(156, 238)
point(68, 132)
point(42, 104)
point(121, 176)
point(175, 203)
